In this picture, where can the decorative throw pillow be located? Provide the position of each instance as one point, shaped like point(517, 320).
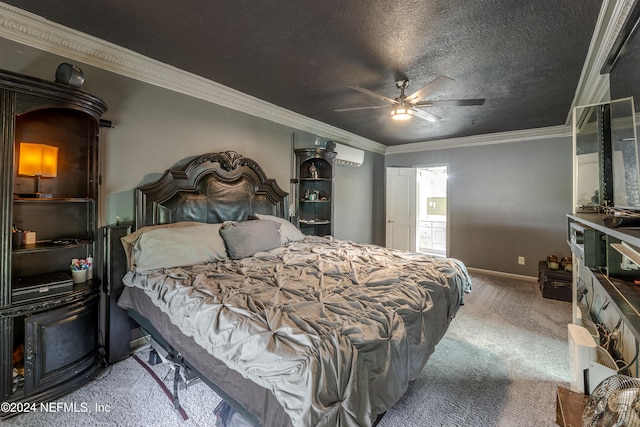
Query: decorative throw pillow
point(178, 247)
point(244, 239)
point(288, 232)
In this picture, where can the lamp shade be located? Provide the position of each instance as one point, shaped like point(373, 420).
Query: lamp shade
point(401, 113)
point(38, 160)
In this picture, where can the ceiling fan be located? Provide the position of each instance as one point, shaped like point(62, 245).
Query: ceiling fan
point(406, 106)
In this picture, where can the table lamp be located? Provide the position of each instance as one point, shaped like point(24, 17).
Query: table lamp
point(39, 161)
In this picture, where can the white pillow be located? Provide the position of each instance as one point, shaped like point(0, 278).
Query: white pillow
point(178, 247)
point(288, 231)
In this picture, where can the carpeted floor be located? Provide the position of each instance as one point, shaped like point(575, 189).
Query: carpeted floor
point(498, 365)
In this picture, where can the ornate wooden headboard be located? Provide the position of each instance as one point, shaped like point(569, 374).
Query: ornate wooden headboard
point(212, 188)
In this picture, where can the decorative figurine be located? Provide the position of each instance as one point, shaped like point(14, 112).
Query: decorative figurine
point(313, 171)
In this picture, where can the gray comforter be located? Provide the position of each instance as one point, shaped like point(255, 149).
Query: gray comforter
point(335, 329)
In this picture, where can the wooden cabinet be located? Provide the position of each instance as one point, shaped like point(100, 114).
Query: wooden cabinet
point(315, 169)
point(59, 338)
point(433, 237)
point(569, 407)
point(48, 325)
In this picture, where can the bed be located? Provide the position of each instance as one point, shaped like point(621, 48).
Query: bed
point(291, 330)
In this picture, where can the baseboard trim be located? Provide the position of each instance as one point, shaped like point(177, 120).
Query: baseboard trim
point(503, 274)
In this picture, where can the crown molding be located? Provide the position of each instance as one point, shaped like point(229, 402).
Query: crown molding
point(560, 131)
point(593, 87)
point(32, 30)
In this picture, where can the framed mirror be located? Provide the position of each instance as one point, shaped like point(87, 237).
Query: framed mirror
point(606, 167)
point(625, 167)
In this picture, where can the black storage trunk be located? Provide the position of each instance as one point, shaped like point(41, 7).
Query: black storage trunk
point(554, 284)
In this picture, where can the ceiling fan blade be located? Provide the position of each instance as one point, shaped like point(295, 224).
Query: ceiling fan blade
point(373, 94)
point(425, 115)
point(372, 107)
point(428, 89)
point(451, 103)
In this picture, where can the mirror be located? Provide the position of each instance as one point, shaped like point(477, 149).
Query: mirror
point(586, 168)
point(625, 169)
point(606, 167)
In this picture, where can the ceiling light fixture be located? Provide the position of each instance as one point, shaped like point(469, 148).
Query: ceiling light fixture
point(400, 112)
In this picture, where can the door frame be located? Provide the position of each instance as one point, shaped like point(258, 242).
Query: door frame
point(416, 205)
point(447, 217)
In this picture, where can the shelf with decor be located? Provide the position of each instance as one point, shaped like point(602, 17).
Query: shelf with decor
point(314, 221)
point(314, 191)
point(48, 192)
point(49, 245)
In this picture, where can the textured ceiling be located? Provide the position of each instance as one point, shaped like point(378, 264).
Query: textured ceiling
point(523, 57)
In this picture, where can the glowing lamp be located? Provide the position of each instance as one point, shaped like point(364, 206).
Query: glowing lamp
point(401, 113)
point(39, 161)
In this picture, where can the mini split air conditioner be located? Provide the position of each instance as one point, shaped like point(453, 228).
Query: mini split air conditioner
point(349, 156)
point(589, 363)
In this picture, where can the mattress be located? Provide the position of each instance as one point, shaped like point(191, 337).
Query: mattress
point(319, 332)
point(229, 384)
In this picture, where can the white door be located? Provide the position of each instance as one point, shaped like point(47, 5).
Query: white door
point(401, 218)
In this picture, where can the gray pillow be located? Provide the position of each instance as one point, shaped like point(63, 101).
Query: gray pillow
point(244, 239)
point(288, 232)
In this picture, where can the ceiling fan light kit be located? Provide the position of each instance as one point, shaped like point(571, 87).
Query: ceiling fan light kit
point(401, 113)
point(405, 107)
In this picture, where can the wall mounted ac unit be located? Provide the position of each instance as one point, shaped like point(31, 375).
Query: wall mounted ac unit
point(587, 361)
point(349, 156)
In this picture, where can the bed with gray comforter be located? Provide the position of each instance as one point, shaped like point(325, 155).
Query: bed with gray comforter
point(293, 330)
point(334, 329)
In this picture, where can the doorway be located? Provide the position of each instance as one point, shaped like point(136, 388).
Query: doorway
point(416, 209)
point(432, 209)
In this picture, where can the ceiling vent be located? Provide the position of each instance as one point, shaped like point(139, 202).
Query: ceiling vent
point(349, 156)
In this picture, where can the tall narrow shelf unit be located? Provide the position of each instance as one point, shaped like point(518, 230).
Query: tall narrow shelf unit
point(315, 169)
point(48, 325)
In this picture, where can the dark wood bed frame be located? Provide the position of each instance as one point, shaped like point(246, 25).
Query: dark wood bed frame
point(212, 188)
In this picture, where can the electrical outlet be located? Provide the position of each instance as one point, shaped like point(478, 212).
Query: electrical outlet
point(521, 260)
